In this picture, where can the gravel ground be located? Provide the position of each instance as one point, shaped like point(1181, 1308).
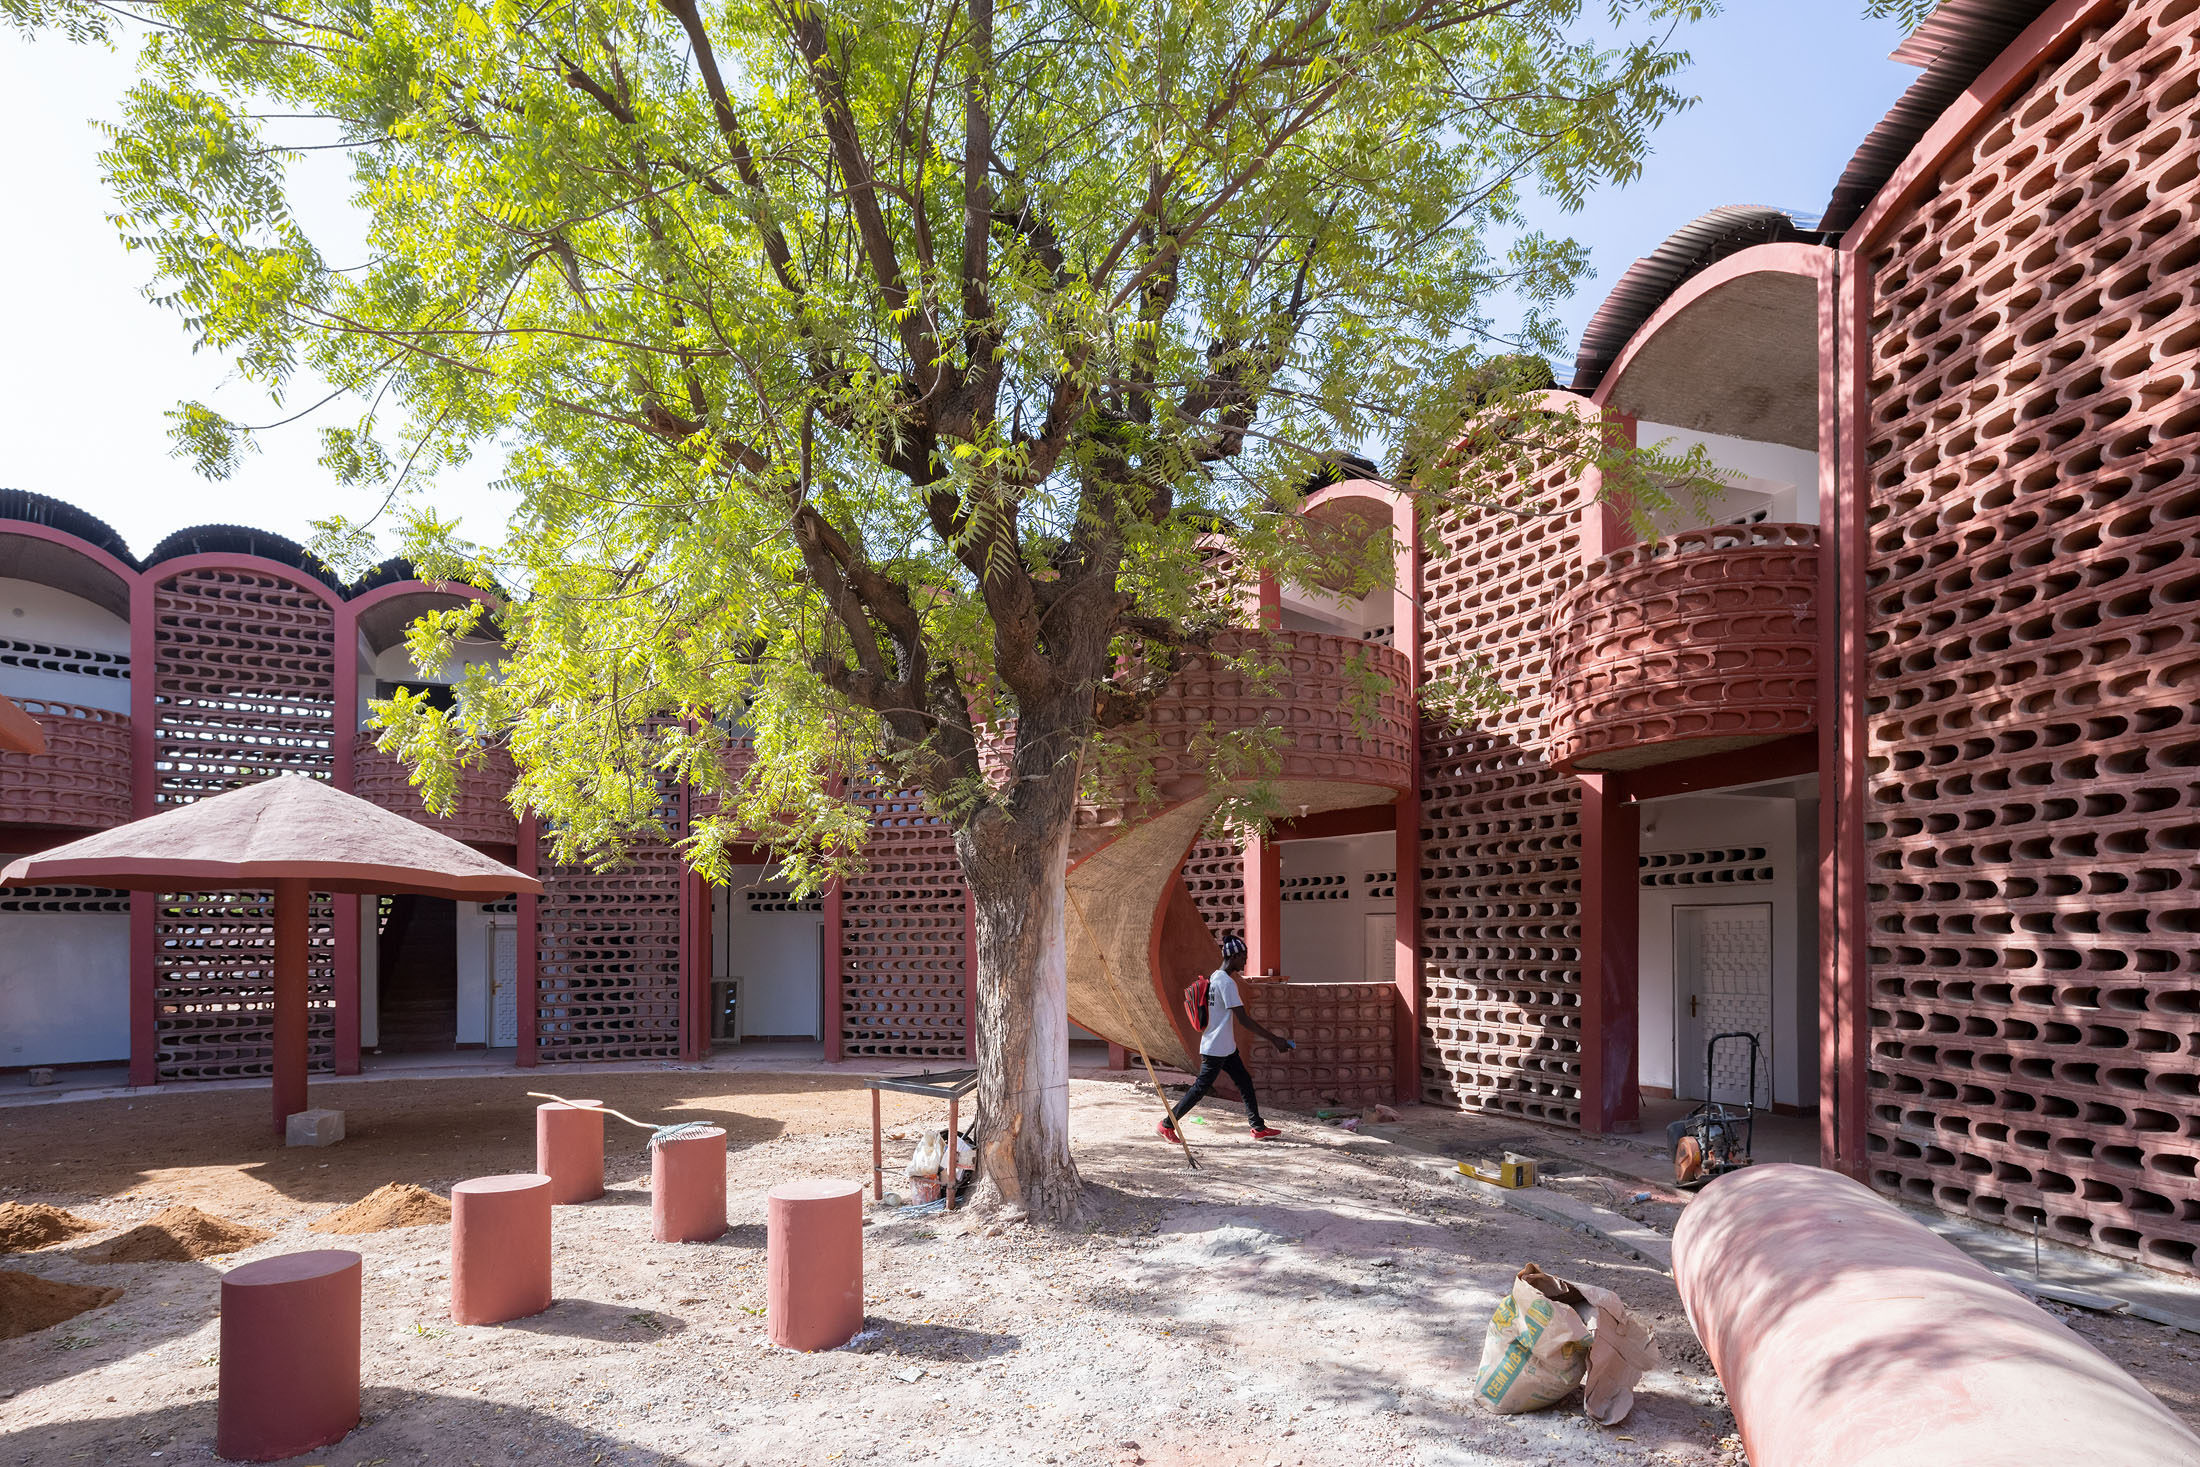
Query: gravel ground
point(1316, 1300)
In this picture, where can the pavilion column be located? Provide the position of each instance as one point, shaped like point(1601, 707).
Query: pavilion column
point(293, 903)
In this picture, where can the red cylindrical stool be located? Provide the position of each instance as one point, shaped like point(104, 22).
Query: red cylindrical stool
point(813, 1251)
point(289, 1355)
point(569, 1149)
point(687, 1186)
point(500, 1248)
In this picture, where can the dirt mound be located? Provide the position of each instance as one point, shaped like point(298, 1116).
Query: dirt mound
point(28, 1225)
point(177, 1235)
point(393, 1205)
point(28, 1302)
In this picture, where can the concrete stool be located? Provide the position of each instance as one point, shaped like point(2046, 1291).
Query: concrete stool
point(687, 1187)
point(813, 1252)
point(569, 1149)
point(500, 1248)
point(289, 1355)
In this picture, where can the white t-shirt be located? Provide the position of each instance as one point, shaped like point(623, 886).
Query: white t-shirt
point(1220, 1036)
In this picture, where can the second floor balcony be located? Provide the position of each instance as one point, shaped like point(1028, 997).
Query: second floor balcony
point(81, 781)
point(1698, 643)
point(481, 817)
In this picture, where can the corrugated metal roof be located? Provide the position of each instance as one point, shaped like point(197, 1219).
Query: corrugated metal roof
point(1651, 280)
point(1958, 41)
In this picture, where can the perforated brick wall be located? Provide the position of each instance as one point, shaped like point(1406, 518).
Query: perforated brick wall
point(83, 778)
point(1214, 873)
point(1346, 1037)
point(1500, 847)
point(244, 682)
point(607, 971)
point(2033, 730)
point(903, 938)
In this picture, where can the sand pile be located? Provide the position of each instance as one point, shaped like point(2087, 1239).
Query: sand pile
point(394, 1205)
point(28, 1225)
point(28, 1302)
point(177, 1235)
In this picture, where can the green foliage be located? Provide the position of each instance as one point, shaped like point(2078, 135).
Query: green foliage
point(869, 372)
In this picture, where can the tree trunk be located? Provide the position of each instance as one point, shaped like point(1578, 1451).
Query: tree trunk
point(1020, 889)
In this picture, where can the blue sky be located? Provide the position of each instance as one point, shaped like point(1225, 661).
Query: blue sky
point(1788, 89)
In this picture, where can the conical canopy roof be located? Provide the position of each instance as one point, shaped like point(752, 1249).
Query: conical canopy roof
point(287, 828)
point(19, 732)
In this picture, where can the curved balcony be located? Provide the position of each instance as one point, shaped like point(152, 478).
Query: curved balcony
point(1703, 642)
point(83, 778)
point(480, 817)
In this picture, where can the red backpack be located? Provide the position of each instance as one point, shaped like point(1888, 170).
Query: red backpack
point(1195, 1002)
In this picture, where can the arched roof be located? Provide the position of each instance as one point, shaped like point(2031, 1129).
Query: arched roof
point(243, 540)
point(55, 514)
point(1651, 280)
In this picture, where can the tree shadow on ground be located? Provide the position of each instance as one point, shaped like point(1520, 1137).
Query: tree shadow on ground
point(398, 1426)
point(592, 1319)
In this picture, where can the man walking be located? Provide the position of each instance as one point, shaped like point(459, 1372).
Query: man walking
point(1218, 1050)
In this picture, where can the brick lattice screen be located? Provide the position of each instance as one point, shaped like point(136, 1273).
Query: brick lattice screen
point(1346, 1034)
point(1500, 845)
point(1214, 873)
point(244, 688)
point(2032, 728)
point(607, 975)
point(902, 938)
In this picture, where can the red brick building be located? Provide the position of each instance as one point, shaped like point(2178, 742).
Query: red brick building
point(1886, 757)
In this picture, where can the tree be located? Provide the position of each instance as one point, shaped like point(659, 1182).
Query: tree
point(870, 373)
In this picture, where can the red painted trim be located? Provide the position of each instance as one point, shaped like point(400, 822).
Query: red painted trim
point(1611, 1021)
point(105, 561)
point(1834, 816)
point(970, 973)
point(1846, 1100)
point(1787, 758)
point(528, 939)
point(258, 564)
point(835, 1014)
point(144, 906)
point(2010, 70)
point(1327, 824)
point(1263, 908)
point(1815, 261)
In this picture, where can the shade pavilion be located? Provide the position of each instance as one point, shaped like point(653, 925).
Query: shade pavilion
point(290, 835)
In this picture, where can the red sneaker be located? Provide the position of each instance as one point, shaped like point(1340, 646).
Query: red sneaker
point(1265, 1133)
point(1166, 1131)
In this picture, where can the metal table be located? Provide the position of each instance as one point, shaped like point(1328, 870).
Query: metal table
point(948, 1085)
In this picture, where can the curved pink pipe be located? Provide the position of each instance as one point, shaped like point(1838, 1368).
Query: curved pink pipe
point(1847, 1335)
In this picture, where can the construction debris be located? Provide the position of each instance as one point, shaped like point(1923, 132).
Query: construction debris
point(393, 1205)
point(28, 1225)
point(1552, 1335)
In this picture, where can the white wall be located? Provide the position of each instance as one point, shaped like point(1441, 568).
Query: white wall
point(1310, 610)
point(1781, 480)
point(1326, 941)
point(776, 956)
point(30, 612)
point(1698, 822)
point(64, 987)
point(395, 665)
point(473, 974)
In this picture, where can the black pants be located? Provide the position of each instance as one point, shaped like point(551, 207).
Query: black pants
point(1210, 1066)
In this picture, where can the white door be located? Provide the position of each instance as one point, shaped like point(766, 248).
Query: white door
point(1722, 971)
point(1381, 962)
point(503, 984)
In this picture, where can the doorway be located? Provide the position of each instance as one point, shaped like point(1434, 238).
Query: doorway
point(767, 961)
point(1722, 970)
point(416, 964)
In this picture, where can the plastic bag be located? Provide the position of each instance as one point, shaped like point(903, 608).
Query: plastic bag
point(1552, 1335)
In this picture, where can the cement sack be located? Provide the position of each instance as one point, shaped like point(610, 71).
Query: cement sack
point(1552, 1335)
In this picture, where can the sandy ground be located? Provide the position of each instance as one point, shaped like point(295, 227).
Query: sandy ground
point(1317, 1300)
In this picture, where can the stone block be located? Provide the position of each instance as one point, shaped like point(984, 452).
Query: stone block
point(313, 1128)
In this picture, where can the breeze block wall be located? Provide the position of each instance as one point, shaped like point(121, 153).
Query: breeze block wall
point(245, 688)
point(608, 951)
point(1500, 843)
point(2032, 682)
point(904, 937)
point(1346, 1035)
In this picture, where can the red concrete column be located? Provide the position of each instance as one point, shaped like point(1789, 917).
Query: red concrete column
point(1849, 1335)
point(1844, 1042)
point(833, 1020)
point(292, 907)
point(1263, 908)
point(813, 1249)
point(569, 1149)
point(1119, 1058)
point(1405, 635)
point(344, 928)
point(970, 974)
point(144, 1001)
point(144, 789)
point(687, 1187)
point(289, 1378)
point(500, 1248)
point(1611, 1094)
